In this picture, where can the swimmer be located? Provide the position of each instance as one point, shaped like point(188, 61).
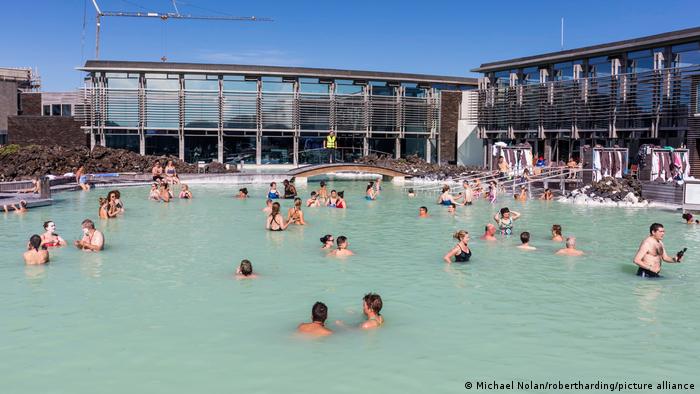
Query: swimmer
point(556, 233)
point(340, 204)
point(491, 194)
point(370, 194)
point(505, 219)
point(275, 221)
point(570, 249)
point(411, 193)
point(106, 210)
point(245, 270)
point(371, 306)
point(268, 207)
point(651, 252)
point(378, 185)
point(35, 254)
point(525, 240)
point(342, 249)
point(327, 241)
point(93, 240)
point(547, 195)
point(81, 178)
point(317, 327)
point(242, 193)
point(49, 239)
point(164, 192)
point(313, 201)
point(294, 214)
point(688, 217)
point(114, 198)
point(461, 251)
point(446, 198)
point(185, 192)
point(154, 194)
point(523, 194)
point(467, 194)
point(489, 233)
point(21, 208)
point(451, 209)
point(477, 188)
point(322, 193)
point(336, 200)
point(273, 194)
point(423, 212)
point(289, 190)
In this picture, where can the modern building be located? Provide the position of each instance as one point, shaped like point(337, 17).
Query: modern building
point(14, 82)
point(625, 93)
point(266, 114)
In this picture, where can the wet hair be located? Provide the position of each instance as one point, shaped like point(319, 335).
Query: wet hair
point(275, 209)
point(341, 240)
point(687, 216)
point(461, 234)
point(373, 301)
point(504, 211)
point(556, 229)
point(524, 237)
point(341, 194)
point(322, 184)
point(370, 185)
point(115, 193)
point(102, 201)
point(319, 312)
point(246, 267)
point(243, 190)
point(285, 182)
point(333, 191)
point(46, 224)
point(655, 227)
point(410, 190)
point(88, 223)
point(453, 205)
point(23, 204)
point(273, 184)
point(423, 209)
point(570, 242)
point(325, 238)
point(35, 242)
point(445, 188)
point(313, 193)
point(297, 202)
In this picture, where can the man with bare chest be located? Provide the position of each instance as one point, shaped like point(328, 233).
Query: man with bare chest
point(651, 252)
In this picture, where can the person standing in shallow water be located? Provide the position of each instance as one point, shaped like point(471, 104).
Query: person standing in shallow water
point(651, 252)
point(461, 251)
point(317, 327)
point(35, 254)
point(489, 233)
point(570, 249)
point(342, 249)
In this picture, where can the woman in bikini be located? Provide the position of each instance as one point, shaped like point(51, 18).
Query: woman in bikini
point(171, 173)
point(49, 239)
point(461, 251)
point(295, 215)
point(275, 221)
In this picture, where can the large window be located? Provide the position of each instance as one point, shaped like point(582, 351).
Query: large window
point(237, 149)
point(350, 106)
point(563, 71)
point(531, 76)
point(162, 101)
point(415, 109)
point(123, 141)
point(200, 148)
point(277, 103)
point(413, 146)
point(162, 145)
point(598, 67)
point(685, 55)
point(383, 106)
point(277, 150)
point(314, 104)
point(201, 101)
point(382, 146)
point(640, 61)
point(57, 109)
point(240, 102)
point(122, 97)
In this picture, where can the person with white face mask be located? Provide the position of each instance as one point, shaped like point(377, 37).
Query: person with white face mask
point(50, 239)
point(93, 240)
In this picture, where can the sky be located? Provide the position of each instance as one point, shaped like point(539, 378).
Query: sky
point(428, 37)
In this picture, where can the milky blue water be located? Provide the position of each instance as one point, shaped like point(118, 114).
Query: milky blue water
point(158, 311)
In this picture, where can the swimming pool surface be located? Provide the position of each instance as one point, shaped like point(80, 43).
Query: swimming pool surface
point(158, 310)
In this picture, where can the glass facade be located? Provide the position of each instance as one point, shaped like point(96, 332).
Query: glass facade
point(201, 148)
point(122, 141)
point(237, 149)
point(122, 100)
point(162, 101)
point(277, 150)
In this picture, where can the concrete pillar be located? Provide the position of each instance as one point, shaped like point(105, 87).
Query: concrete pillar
point(365, 146)
point(428, 151)
point(142, 144)
point(92, 139)
point(44, 187)
point(220, 148)
point(258, 150)
point(103, 140)
point(295, 147)
point(397, 150)
point(181, 147)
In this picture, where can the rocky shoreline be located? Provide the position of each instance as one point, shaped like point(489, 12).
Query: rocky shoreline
point(27, 162)
point(609, 192)
point(419, 168)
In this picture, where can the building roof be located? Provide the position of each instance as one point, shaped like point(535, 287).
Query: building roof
point(678, 36)
point(159, 67)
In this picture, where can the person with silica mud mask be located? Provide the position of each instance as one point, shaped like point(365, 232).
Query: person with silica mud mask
point(93, 240)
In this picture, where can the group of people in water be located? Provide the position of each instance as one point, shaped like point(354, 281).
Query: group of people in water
point(38, 246)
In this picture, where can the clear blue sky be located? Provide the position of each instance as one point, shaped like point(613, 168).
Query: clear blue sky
point(431, 37)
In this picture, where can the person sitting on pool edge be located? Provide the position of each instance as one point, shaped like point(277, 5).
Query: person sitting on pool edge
point(342, 249)
point(289, 190)
point(245, 270)
point(461, 252)
point(688, 217)
point(570, 249)
point(423, 212)
point(525, 239)
point(489, 233)
point(93, 240)
point(556, 233)
point(35, 254)
point(317, 327)
point(371, 306)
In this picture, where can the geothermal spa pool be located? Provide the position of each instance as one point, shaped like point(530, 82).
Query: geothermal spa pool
point(159, 311)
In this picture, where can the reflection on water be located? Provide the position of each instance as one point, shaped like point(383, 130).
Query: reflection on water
point(647, 292)
point(35, 273)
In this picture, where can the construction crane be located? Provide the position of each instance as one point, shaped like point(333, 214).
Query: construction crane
point(163, 16)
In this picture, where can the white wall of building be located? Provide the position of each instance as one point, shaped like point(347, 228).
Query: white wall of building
point(469, 146)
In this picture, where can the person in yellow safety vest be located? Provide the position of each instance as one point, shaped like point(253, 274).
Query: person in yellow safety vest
point(330, 143)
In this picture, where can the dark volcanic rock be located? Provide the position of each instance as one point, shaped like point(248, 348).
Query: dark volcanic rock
point(413, 165)
point(34, 160)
